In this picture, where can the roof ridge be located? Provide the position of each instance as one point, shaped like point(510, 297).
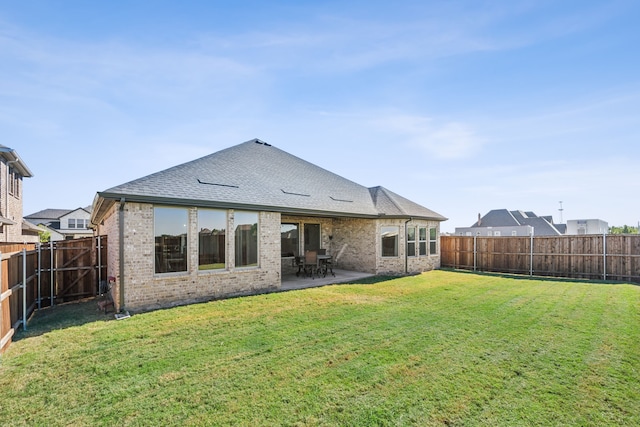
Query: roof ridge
point(514, 217)
point(391, 198)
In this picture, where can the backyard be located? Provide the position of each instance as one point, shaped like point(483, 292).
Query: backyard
point(441, 348)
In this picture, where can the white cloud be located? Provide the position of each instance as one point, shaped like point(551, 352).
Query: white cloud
point(444, 139)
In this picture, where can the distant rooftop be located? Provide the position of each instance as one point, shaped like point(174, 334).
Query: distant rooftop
point(542, 225)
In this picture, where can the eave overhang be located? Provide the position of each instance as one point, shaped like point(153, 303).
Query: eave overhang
point(16, 162)
point(105, 200)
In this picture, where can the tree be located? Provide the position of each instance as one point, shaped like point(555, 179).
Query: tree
point(45, 236)
point(625, 229)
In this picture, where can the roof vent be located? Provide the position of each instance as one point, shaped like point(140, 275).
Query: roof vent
point(257, 141)
point(340, 200)
point(217, 184)
point(295, 193)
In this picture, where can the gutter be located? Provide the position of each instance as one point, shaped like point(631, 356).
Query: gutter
point(243, 206)
point(121, 258)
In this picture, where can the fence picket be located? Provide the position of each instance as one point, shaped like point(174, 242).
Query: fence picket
point(23, 287)
point(613, 257)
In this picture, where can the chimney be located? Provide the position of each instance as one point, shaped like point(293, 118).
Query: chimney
point(479, 220)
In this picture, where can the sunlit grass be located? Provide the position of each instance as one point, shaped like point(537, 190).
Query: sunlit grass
point(215, 266)
point(441, 348)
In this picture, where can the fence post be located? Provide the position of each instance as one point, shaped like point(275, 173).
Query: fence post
point(39, 245)
point(24, 289)
point(531, 254)
point(1, 312)
point(474, 252)
point(51, 271)
point(604, 255)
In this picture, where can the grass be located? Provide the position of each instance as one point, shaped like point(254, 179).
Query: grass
point(442, 348)
point(215, 266)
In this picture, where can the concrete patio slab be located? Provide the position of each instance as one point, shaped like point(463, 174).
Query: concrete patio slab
point(292, 282)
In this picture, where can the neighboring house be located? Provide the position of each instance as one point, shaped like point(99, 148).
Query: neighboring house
point(587, 226)
point(12, 171)
point(219, 226)
point(63, 224)
point(502, 222)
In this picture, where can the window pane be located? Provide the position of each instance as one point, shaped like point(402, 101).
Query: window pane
point(411, 249)
point(432, 248)
point(389, 237)
point(72, 223)
point(170, 230)
point(212, 239)
point(411, 241)
point(423, 248)
point(422, 235)
point(433, 240)
point(289, 240)
point(246, 238)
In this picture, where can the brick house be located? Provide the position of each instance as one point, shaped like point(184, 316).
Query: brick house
point(63, 224)
point(13, 170)
point(219, 226)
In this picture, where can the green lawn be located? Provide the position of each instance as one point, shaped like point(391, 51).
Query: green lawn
point(442, 348)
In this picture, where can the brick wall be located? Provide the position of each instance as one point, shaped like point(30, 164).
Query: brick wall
point(145, 290)
point(110, 228)
point(357, 244)
point(11, 208)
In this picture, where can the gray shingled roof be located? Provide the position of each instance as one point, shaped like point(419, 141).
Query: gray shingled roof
point(256, 175)
point(497, 218)
point(49, 214)
point(543, 226)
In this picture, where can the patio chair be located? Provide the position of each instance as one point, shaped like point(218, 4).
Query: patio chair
point(325, 265)
point(310, 263)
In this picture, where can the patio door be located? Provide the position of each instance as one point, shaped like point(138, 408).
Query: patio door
point(311, 237)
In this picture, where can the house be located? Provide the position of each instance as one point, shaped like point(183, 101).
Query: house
point(502, 222)
point(12, 172)
point(219, 226)
point(587, 226)
point(63, 224)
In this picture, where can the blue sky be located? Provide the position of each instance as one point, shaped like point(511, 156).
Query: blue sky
point(461, 106)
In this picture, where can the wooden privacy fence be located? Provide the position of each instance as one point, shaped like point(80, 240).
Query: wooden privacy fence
point(603, 257)
point(48, 274)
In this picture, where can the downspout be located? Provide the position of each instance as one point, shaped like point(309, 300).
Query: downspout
point(121, 258)
point(406, 255)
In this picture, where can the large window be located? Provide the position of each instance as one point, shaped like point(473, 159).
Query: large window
point(422, 240)
point(411, 241)
point(389, 237)
point(170, 230)
point(246, 238)
point(433, 241)
point(212, 239)
point(77, 223)
point(289, 243)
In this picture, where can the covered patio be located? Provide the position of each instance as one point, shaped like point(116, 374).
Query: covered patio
point(292, 282)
